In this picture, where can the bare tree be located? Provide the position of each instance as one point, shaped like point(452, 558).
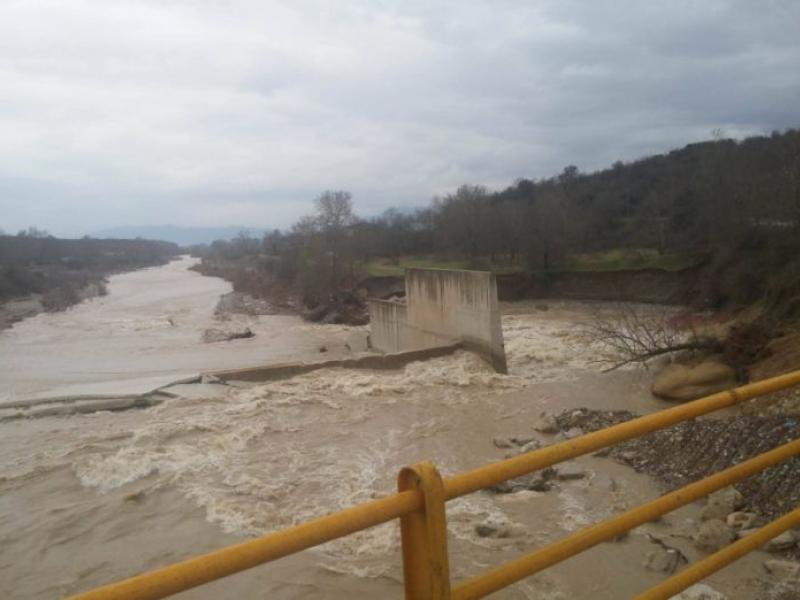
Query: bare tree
point(334, 215)
point(34, 232)
point(462, 219)
point(244, 244)
point(306, 226)
point(634, 334)
point(548, 240)
point(334, 210)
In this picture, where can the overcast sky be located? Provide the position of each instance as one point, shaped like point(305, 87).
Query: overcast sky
point(204, 112)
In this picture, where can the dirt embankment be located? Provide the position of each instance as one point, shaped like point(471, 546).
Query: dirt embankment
point(255, 285)
point(383, 287)
point(642, 285)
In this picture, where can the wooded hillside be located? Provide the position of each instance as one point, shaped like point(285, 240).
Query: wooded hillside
point(733, 206)
point(34, 262)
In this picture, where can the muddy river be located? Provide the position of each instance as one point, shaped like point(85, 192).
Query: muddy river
point(87, 499)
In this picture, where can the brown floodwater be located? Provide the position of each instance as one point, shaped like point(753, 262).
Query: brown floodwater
point(87, 499)
point(147, 333)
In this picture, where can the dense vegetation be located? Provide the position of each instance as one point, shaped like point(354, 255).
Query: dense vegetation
point(33, 262)
point(733, 206)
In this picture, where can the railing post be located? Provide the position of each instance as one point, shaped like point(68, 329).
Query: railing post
point(426, 568)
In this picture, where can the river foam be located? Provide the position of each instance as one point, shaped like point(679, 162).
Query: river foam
point(275, 454)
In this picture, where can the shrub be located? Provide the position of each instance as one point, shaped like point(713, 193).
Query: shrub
point(60, 298)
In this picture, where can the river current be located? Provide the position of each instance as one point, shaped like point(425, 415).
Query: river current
point(88, 499)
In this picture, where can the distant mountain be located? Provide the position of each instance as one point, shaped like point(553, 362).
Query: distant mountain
point(183, 236)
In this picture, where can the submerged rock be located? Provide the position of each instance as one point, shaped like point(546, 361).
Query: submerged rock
point(700, 591)
point(520, 443)
point(784, 570)
point(519, 497)
point(223, 335)
point(721, 503)
point(605, 482)
point(785, 541)
point(569, 470)
point(570, 433)
point(537, 482)
point(713, 535)
point(546, 423)
point(494, 528)
point(664, 560)
point(530, 446)
point(741, 520)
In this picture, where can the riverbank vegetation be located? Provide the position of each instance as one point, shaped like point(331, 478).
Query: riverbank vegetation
point(729, 207)
point(41, 272)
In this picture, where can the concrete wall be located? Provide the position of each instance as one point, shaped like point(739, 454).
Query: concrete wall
point(442, 307)
point(388, 327)
point(396, 360)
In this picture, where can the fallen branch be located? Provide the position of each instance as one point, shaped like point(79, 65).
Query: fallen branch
point(636, 334)
point(710, 346)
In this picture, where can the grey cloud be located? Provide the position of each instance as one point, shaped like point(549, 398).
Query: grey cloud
point(207, 113)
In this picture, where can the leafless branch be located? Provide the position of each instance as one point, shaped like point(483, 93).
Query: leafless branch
point(634, 334)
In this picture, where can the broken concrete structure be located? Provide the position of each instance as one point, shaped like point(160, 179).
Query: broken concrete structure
point(442, 307)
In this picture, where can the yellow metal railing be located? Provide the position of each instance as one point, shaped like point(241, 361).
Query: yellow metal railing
point(420, 506)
